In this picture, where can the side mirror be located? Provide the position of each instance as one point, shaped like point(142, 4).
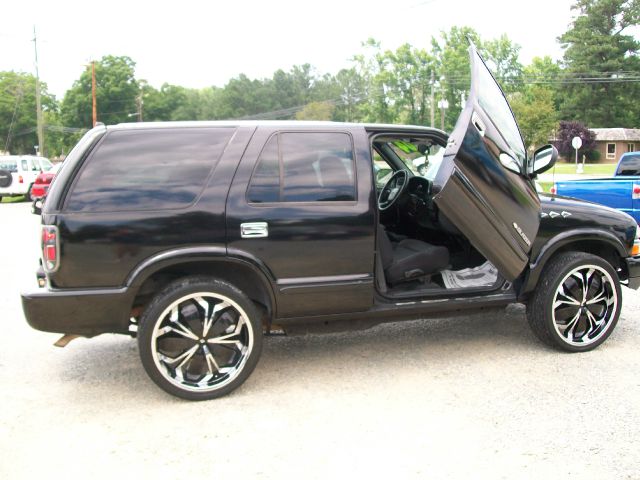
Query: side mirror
point(543, 159)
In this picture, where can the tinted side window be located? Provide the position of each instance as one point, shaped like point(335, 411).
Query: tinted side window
point(312, 167)
point(630, 165)
point(148, 169)
point(265, 183)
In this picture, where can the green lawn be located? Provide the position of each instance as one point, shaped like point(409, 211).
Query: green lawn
point(12, 199)
point(589, 168)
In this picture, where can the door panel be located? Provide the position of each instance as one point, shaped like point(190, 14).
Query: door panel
point(320, 254)
point(481, 185)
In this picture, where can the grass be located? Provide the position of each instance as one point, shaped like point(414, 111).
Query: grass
point(12, 199)
point(546, 186)
point(589, 168)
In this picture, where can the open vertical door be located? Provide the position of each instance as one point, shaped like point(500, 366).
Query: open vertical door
point(482, 185)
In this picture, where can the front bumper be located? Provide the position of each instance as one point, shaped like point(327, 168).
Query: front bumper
point(633, 270)
point(80, 312)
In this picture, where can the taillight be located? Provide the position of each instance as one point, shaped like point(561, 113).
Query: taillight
point(635, 249)
point(50, 248)
point(635, 195)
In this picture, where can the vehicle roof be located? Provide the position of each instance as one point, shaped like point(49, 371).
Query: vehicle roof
point(371, 127)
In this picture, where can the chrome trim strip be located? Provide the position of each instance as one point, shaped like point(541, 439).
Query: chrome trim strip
point(327, 279)
point(296, 285)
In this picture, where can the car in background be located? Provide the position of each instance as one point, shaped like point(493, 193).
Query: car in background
point(622, 191)
point(43, 180)
point(18, 173)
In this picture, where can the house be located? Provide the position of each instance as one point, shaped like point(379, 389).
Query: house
point(613, 142)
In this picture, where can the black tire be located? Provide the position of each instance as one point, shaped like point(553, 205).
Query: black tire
point(27, 196)
point(5, 178)
point(577, 302)
point(195, 361)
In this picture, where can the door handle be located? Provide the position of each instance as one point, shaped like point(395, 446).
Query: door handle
point(478, 123)
point(254, 230)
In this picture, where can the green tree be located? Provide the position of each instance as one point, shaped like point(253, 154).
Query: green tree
point(352, 88)
point(18, 112)
point(502, 57)
point(452, 60)
point(535, 104)
point(536, 115)
point(372, 67)
point(599, 45)
point(163, 104)
point(411, 71)
point(117, 93)
point(453, 74)
point(316, 111)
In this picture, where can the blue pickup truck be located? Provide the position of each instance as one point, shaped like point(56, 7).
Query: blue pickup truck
point(622, 191)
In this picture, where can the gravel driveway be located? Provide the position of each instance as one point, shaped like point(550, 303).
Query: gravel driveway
point(468, 397)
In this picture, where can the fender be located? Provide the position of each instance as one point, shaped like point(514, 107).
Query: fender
point(561, 240)
point(218, 254)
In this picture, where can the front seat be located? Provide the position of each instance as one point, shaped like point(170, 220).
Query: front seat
point(409, 259)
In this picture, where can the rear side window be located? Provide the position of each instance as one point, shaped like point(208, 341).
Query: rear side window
point(9, 165)
point(148, 169)
point(630, 165)
point(304, 167)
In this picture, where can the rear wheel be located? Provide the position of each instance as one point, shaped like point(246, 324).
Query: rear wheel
point(200, 338)
point(5, 178)
point(577, 302)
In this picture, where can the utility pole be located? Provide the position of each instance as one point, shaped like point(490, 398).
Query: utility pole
point(93, 92)
point(433, 100)
point(40, 126)
point(140, 105)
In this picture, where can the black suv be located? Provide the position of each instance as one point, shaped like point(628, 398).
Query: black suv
point(199, 237)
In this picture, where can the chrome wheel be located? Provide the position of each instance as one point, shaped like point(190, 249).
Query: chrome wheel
point(201, 342)
point(585, 305)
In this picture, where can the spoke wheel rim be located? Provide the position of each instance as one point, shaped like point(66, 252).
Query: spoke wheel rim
point(584, 305)
point(201, 342)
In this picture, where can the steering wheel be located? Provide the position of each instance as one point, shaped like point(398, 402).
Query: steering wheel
point(393, 190)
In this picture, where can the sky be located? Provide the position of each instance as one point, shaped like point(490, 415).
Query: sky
point(204, 43)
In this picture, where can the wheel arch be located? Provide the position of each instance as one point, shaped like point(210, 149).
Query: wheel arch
point(240, 270)
point(597, 242)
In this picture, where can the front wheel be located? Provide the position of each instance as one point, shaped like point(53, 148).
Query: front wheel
point(577, 302)
point(200, 338)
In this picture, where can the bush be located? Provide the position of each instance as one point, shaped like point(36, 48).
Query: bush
point(593, 155)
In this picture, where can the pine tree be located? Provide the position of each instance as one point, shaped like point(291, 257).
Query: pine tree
point(601, 60)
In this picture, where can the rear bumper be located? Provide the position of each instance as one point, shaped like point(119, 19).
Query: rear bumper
point(633, 269)
point(80, 312)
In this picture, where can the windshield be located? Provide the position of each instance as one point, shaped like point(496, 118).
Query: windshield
point(493, 102)
point(421, 164)
point(45, 164)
